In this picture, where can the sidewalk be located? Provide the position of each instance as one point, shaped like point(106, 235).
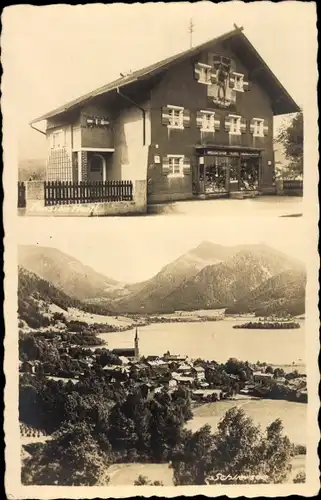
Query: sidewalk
point(262, 206)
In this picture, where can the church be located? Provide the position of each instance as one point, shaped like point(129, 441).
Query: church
point(131, 353)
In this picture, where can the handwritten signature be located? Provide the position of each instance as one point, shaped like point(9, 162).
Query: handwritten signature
point(233, 478)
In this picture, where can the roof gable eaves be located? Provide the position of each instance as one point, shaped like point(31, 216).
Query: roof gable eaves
point(148, 71)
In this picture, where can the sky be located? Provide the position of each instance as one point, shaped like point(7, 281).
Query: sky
point(131, 252)
point(64, 51)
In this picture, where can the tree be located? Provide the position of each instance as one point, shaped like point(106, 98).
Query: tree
point(71, 458)
point(192, 460)
point(278, 372)
point(238, 453)
point(290, 137)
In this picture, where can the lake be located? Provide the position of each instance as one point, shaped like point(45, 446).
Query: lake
point(219, 341)
point(216, 340)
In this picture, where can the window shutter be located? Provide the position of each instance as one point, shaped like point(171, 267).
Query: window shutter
point(246, 86)
point(186, 166)
point(252, 126)
point(186, 118)
point(265, 128)
point(213, 77)
point(165, 115)
point(217, 122)
point(243, 125)
point(197, 71)
point(165, 166)
point(232, 96)
point(231, 81)
point(212, 90)
point(227, 124)
point(199, 119)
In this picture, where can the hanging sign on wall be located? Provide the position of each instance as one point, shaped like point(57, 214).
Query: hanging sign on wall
point(94, 121)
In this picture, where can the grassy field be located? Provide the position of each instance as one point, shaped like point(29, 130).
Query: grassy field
point(262, 411)
point(126, 474)
point(118, 321)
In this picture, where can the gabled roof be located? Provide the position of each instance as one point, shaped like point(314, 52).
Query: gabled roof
point(198, 368)
point(243, 45)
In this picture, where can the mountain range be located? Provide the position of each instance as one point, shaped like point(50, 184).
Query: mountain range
point(241, 278)
point(65, 272)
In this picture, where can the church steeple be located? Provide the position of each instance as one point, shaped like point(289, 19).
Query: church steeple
point(136, 345)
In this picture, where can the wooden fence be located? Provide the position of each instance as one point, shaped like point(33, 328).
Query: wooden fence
point(67, 192)
point(21, 195)
point(293, 187)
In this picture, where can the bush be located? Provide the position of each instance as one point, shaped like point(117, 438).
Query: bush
point(143, 481)
point(300, 477)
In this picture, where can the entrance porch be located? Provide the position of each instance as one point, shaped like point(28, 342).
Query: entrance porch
point(93, 165)
point(227, 171)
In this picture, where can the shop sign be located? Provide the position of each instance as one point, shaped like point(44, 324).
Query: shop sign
point(217, 153)
point(223, 153)
point(230, 153)
point(250, 154)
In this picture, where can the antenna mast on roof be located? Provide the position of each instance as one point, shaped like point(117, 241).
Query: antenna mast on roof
point(191, 30)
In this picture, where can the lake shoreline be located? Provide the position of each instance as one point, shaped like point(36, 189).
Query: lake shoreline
point(215, 340)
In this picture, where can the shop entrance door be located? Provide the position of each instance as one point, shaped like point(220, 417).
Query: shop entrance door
point(234, 174)
point(249, 173)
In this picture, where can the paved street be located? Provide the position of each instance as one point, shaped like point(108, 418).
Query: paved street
point(270, 206)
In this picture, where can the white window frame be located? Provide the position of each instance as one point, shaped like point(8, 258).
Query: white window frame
point(171, 173)
point(180, 109)
point(212, 119)
point(258, 127)
point(238, 125)
point(205, 74)
point(238, 82)
point(60, 133)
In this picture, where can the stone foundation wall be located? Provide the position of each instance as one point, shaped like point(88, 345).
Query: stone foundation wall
point(35, 204)
point(284, 189)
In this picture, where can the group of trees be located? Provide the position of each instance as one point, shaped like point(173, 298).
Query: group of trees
point(41, 346)
point(290, 137)
point(239, 452)
point(45, 404)
point(36, 347)
point(71, 458)
point(148, 428)
point(96, 423)
point(230, 376)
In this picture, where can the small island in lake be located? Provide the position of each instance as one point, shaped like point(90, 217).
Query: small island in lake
point(269, 325)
